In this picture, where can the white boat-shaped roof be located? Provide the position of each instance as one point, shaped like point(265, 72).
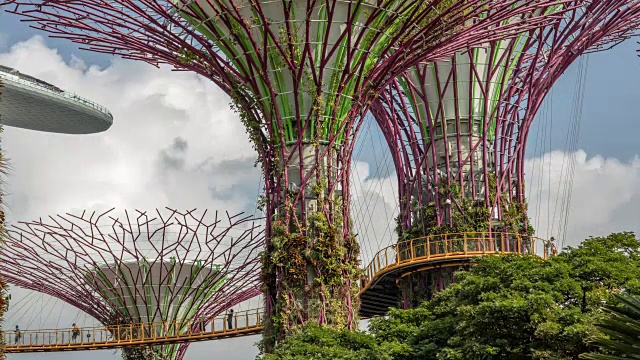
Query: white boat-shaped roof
point(30, 103)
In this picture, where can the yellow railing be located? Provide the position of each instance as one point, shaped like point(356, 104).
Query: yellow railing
point(243, 323)
point(452, 247)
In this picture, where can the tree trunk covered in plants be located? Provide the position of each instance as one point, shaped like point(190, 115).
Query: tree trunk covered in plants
point(147, 353)
point(312, 261)
point(422, 285)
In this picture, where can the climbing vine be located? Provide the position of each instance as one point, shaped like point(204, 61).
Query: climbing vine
point(144, 353)
point(463, 214)
point(422, 285)
point(316, 268)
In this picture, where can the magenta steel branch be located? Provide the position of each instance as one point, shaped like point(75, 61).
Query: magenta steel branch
point(467, 119)
point(301, 73)
point(133, 268)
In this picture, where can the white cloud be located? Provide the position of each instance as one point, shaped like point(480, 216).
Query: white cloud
point(605, 196)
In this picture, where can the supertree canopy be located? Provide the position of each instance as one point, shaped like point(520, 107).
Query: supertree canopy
point(458, 128)
point(164, 267)
point(300, 73)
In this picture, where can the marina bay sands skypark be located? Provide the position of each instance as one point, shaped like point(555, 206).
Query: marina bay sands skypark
point(30, 103)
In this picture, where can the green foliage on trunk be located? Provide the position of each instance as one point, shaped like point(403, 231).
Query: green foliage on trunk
point(145, 353)
point(315, 267)
point(467, 215)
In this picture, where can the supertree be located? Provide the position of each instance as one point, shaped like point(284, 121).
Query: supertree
point(164, 267)
point(300, 73)
point(458, 129)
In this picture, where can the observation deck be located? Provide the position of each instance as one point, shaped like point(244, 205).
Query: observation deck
point(379, 289)
point(30, 103)
point(378, 292)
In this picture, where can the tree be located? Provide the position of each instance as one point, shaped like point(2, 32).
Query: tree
point(518, 307)
point(315, 342)
point(506, 307)
point(604, 264)
point(620, 330)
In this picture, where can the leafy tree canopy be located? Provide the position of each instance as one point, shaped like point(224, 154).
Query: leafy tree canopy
point(607, 263)
point(505, 307)
point(517, 307)
point(315, 342)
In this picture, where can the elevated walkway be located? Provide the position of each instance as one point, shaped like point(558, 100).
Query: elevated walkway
point(378, 292)
point(130, 335)
point(379, 289)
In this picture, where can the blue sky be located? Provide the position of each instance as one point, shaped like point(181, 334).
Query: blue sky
point(137, 165)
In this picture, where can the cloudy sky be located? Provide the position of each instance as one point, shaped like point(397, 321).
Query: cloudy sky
point(175, 143)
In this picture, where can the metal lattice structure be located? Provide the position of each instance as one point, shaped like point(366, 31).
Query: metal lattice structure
point(160, 267)
point(301, 73)
point(458, 129)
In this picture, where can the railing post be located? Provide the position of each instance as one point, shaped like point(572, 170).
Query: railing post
point(519, 240)
point(427, 241)
point(412, 253)
point(446, 244)
point(532, 244)
point(464, 243)
point(386, 257)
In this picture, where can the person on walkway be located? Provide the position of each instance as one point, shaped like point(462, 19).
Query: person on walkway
point(18, 334)
point(75, 333)
point(230, 320)
point(203, 324)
